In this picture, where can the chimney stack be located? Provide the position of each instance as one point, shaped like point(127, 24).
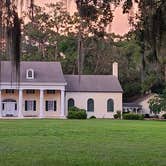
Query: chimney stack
point(115, 69)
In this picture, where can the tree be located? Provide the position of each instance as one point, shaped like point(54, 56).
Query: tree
point(94, 15)
point(150, 28)
point(158, 103)
point(10, 30)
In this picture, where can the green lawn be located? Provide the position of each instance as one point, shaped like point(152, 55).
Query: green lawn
point(82, 143)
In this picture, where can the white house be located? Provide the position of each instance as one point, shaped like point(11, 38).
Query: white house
point(45, 92)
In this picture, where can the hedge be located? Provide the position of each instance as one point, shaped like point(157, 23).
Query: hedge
point(76, 113)
point(133, 116)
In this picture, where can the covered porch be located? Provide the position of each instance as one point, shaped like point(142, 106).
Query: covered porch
point(32, 102)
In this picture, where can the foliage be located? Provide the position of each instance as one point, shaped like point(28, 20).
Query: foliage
point(92, 117)
point(76, 113)
point(117, 115)
point(164, 116)
point(158, 103)
point(131, 116)
point(10, 31)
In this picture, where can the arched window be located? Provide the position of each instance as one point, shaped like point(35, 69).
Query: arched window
point(90, 105)
point(110, 105)
point(30, 74)
point(71, 103)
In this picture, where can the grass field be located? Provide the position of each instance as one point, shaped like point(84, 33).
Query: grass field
point(82, 143)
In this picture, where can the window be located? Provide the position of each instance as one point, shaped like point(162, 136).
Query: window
point(15, 106)
point(90, 105)
point(50, 91)
point(30, 91)
point(110, 105)
point(50, 105)
point(30, 105)
point(30, 74)
point(11, 91)
point(3, 106)
point(71, 103)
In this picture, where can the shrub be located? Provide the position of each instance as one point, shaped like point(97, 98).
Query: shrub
point(116, 116)
point(154, 116)
point(132, 116)
point(146, 116)
point(92, 117)
point(164, 116)
point(76, 113)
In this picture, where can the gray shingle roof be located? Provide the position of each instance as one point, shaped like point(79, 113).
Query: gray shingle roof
point(131, 105)
point(45, 72)
point(92, 83)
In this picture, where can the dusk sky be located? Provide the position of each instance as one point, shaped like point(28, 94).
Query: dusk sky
point(119, 26)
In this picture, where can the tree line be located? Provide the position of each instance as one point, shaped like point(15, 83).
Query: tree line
point(83, 46)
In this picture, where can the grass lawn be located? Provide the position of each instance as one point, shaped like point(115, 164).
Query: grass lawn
point(82, 143)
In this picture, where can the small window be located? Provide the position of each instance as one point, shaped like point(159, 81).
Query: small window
point(11, 91)
point(30, 74)
point(110, 105)
point(50, 105)
point(90, 105)
point(50, 91)
point(30, 91)
point(30, 105)
point(71, 103)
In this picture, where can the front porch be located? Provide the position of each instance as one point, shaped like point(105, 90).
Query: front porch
point(32, 103)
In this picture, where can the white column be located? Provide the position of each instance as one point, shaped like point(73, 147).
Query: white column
point(62, 104)
point(41, 114)
point(20, 103)
point(0, 104)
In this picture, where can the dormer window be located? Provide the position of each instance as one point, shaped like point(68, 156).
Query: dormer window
point(30, 74)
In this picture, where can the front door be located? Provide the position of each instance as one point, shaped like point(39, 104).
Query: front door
point(9, 109)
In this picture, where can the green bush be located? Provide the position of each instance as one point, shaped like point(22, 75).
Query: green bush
point(133, 116)
point(117, 115)
point(92, 117)
point(164, 116)
point(76, 113)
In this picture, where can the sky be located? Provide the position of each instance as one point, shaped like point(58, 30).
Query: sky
point(119, 25)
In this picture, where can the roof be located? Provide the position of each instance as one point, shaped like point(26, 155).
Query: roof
point(145, 97)
point(131, 105)
point(44, 72)
point(92, 83)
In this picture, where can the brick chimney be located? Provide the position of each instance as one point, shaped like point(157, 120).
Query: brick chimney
point(115, 69)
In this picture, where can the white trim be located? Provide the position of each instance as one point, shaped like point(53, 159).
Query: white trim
point(0, 104)
point(33, 87)
point(34, 83)
point(20, 104)
point(41, 114)
point(62, 104)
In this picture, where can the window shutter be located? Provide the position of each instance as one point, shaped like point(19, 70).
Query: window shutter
point(25, 105)
point(54, 105)
point(15, 106)
point(34, 105)
point(3, 106)
point(46, 105)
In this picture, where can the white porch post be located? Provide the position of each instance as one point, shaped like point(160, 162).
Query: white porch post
point(41, 114)
point(20, 115)
point(0, 104)
point(62, 104)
